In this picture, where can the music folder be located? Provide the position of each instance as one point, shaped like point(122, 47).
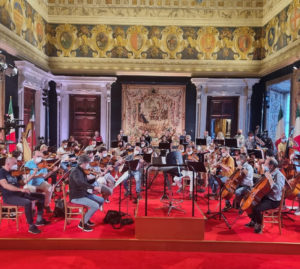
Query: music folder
point(220, 142)
point(231, 143)
point(256, 152)
point(200, 142)
point(196, 166)
point(114, 144)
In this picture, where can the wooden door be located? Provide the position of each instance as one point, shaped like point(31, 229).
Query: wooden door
point(222, 115)
point(84, 117)
point(29, 102)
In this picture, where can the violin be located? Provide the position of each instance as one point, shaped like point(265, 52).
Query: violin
point(90, 172)
point(45, 164)
point(20, 172)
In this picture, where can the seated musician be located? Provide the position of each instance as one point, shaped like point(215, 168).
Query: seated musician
point(63, 154)
point(240, 138)
point(105, 180)
point(227, 168)
point(250, 142)
point(39, 180)
point(188, 156)
point(97, 137)
point(14, 195)
point(220, 136)
point(91, 147)
point(267, 140)
point(246, 183)
point(44, 149)
point(208, 138)
point(144, 142)
point(79, 186)
point(272, 199)
point(136, 173)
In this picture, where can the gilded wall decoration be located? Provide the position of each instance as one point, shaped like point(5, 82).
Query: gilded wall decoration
point(153, 108)
point(24, 21)
point(152, 42)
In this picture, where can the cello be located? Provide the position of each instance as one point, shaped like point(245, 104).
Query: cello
point(260, 190)
point(294, 189)
point(231, 184)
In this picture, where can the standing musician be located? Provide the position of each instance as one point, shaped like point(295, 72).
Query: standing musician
point(226, 164)
point(144, 142)
point(188, 156)
point(272, 199)
point(240, 138)
point(39, 180)
point(147, 137)
point(208, 138)
point(136, 173)
point(79, 192)
point(14, 195)
point(247, 181)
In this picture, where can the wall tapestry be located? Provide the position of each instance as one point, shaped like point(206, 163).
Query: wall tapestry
point(153, 108)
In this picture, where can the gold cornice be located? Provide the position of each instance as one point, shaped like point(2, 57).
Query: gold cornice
point(97, 66)
point(41, 6)
point(18, 47)
point(281, 58)
point(156, 21)
point(272, 8)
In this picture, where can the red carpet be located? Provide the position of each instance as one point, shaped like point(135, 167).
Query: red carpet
point(215, 229)
point(143, 259)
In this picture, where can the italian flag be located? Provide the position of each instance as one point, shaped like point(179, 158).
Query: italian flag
point(297, 130)
point(279, 128)
point(12, 132)
point(31, 138)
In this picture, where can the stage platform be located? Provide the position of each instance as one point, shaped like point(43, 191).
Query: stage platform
point(216, 236)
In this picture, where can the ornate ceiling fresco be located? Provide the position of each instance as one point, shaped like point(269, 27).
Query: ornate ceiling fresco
point(216, 37)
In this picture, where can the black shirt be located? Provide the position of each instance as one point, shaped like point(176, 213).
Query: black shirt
point(4, 174)
point(78, 183)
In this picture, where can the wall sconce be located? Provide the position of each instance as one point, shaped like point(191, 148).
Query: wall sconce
point(8, 69)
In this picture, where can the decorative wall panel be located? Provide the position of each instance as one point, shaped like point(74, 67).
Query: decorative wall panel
point(153, 108)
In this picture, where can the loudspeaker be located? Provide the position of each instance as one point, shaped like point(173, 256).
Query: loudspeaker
point(52, 114)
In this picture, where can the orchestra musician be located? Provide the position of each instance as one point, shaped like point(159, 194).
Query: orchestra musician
point(148, 137)
point(267, 140)
point(144, 142)
point(39, 180)
point(133, 173)
point(14, 195)
point(97, 137)
point(208, 138)
point(183, 135)
point(63, 154)
point(78, 187)
point(240, 138)
point(226, 164)
point(189, 155)
point(250, 142)
point(246, 183)
point(91, 147)
point(272, 199)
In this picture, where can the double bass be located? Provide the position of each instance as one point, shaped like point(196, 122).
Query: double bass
point(294, 189)
point(260, 190)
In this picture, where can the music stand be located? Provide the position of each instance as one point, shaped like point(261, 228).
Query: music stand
point(220, 213)
point(99, 143)
point(257, 153)
point(231, 143)
point(114, 144)
point(219, 142)
point(201, 142)
point(196, 167)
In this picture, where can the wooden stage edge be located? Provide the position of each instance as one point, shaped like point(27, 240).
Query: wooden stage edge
point(149, 245)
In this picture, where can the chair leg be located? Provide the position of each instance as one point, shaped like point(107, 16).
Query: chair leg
point(279, 223)
point(17, 218)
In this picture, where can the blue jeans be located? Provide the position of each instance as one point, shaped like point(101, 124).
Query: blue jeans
point(240, 192)
point(137, 177)
point(92, 201)
point(213, 183)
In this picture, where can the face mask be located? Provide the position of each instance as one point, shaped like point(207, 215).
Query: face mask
point(19, 158)
point(182, 150)
point(14, 167)
point(198, 148)
point(38, 159)
point(150, 151)
point(142, 145)
point(266, 168)
point(104, 154)
point(238, 163)
point(65, 146)
point(94, 144)
point(189, 152)
point(136, 152)
point(224, 154)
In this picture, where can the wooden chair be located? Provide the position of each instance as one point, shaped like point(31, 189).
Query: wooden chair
point(12, 212)
point(70, 208)
point(274, 215)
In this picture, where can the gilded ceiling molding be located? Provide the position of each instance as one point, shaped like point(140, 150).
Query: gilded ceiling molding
point(40, 6)
point(18, 47)
point(93, 66)
point(272, 8)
